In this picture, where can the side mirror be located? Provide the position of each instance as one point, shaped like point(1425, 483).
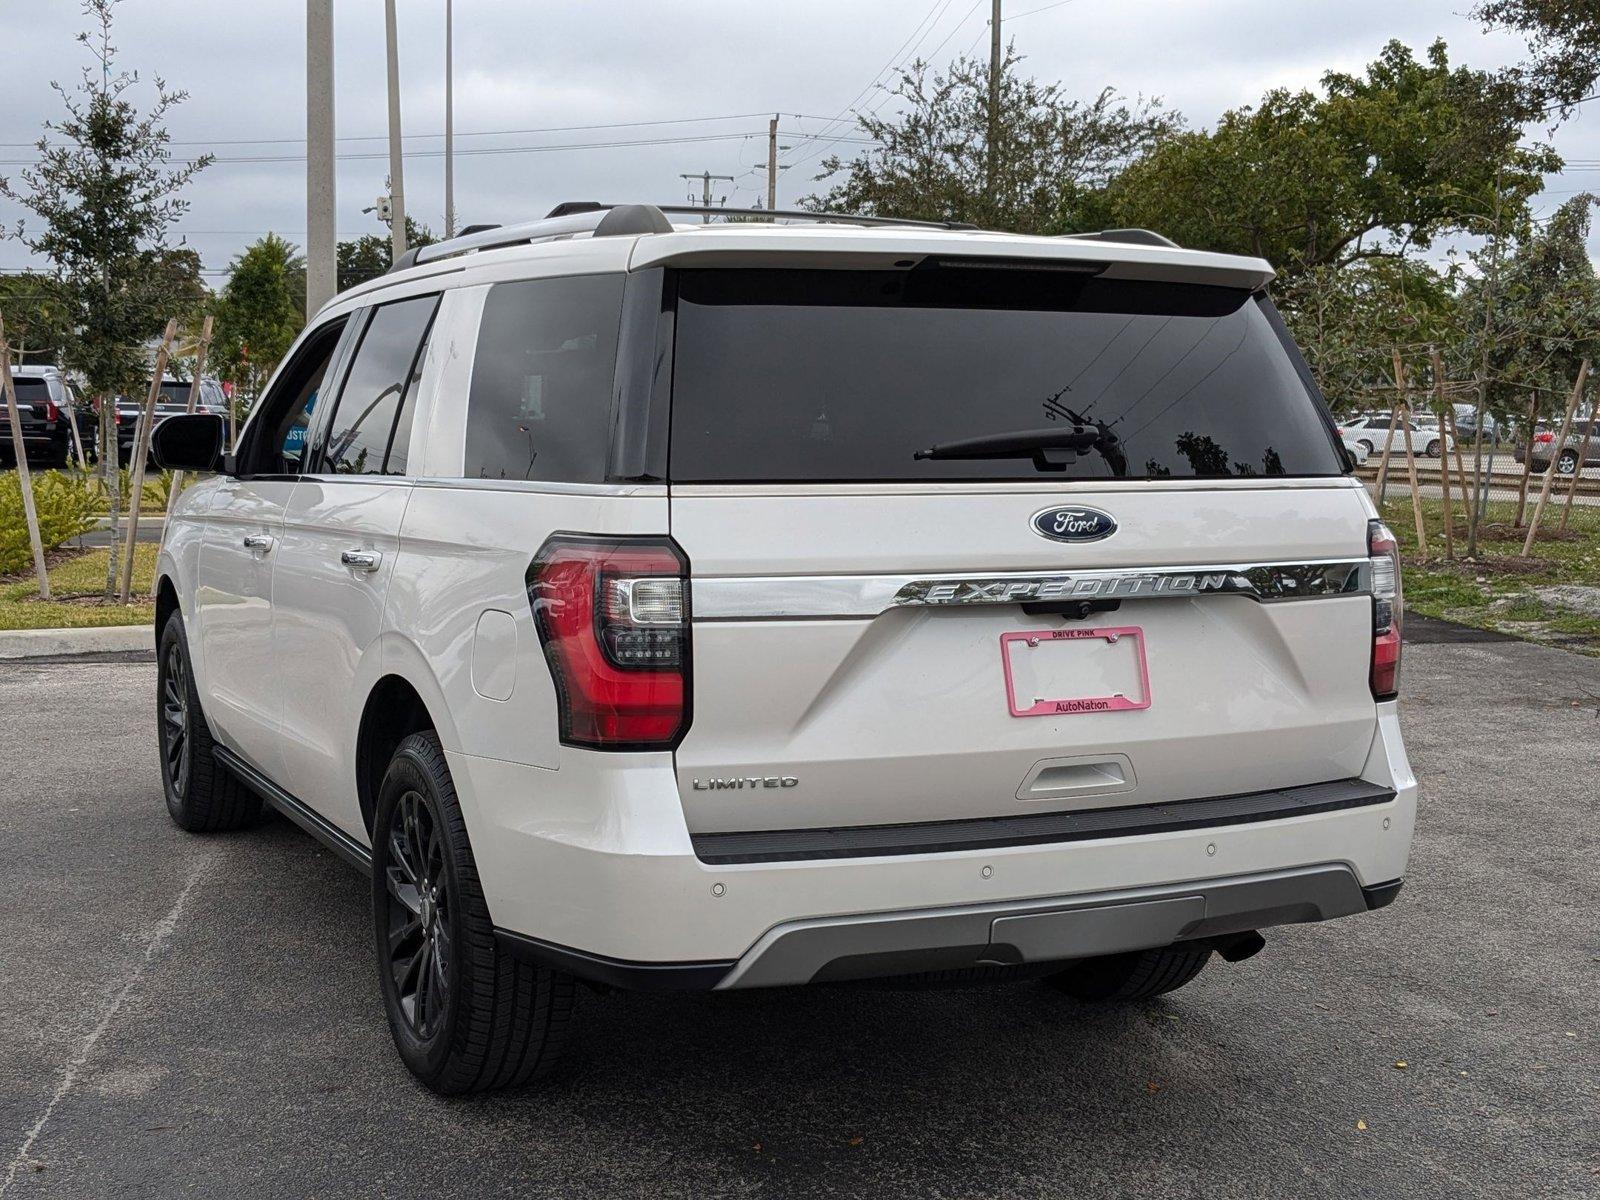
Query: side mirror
point(189, 442)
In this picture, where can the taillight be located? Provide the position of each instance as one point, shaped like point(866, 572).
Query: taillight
point(51, 412)
point(1544, 438)
point(1387, 608)
point(613, 617)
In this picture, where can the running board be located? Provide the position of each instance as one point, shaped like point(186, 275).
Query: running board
point(319, 827)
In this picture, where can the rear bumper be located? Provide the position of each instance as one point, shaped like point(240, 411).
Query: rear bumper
point(880, 945)
point(592, 868)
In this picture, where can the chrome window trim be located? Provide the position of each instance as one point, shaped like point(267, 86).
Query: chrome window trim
point(757, 598)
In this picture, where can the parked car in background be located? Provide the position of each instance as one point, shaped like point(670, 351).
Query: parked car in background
point(47, 404)
point(1467, 424)
point(1582, 445)
point(1371, 430)
point(173, 400)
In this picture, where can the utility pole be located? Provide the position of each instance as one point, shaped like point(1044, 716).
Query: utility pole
point(994, 96)
point(397, 187)
point(706, 178)
point(771, 166)
point(449, 121)
point(322, 253)
point(772, 163)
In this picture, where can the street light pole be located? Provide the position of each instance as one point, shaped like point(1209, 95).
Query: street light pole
point(449, 121)
point(397, 186)
point(322, 273)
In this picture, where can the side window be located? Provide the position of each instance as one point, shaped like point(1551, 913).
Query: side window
point(371, 426)
point(277, 441)
point(540, 403)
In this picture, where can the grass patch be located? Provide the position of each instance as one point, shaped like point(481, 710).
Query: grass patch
point(1492, 590)
point(1525, 608)
point(77, 583)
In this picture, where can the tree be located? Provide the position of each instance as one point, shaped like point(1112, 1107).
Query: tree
point(1379, 165)
point(1564, 36)
point(259, 312)
point(35, 315)
point(369, 255)
point(1052, 159)
point(1544, 316)
point(1347, 321)
point(105, 192)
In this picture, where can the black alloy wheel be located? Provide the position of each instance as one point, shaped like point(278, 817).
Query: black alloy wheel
point(420, 956)
point(175, 718)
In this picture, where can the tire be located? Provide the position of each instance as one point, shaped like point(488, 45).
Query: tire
point(1118, 978)
point(202, 795)
point(1567, 462)
point(1367, 444)
point(465, 1016)
point(1435, 449)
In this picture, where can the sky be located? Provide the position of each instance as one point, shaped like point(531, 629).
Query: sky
point(676, 87)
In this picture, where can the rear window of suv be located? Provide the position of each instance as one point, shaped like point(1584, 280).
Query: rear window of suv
point(824, 375)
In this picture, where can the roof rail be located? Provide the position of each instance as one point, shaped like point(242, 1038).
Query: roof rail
point(606, 220)
point(1136, 237)
point(801, 214)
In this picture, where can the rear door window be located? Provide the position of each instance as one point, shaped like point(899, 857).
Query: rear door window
point(540, 402)
point(819, 375)
point(371, 428)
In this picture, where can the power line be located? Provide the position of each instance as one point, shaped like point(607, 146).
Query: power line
point(234, 160)
point(1042, 8)
point(964, 18)
point(935, 12)
point(381, 137)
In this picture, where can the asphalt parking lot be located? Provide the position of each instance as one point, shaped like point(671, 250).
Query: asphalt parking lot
point(185, 1015)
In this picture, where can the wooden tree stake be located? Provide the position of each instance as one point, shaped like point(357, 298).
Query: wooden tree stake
point(1444, 454)
point(24, 479)
point(1394, 417)
point(1583, 455)
point(141, 451)
point(1527, 462)
point(1555, 453)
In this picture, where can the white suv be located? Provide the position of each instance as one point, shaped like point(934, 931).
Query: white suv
point(675, 605)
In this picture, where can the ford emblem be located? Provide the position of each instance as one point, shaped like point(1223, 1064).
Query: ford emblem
point(1074, 523)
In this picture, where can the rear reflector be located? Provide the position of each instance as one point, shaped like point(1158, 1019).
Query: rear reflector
point(613, 617)
point(1387, 610)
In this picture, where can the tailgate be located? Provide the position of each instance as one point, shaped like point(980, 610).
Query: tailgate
point(853, 665)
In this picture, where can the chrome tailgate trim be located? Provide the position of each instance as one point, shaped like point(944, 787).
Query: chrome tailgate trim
point(779, 597)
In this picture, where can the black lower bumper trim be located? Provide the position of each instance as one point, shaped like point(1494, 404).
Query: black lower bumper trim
point(943, 837)
point(1381, 895)
point(614, 972)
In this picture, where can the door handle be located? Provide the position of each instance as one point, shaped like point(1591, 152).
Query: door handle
point(362, 560)
point(257, 541)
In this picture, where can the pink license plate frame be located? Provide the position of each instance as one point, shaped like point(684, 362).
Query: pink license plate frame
point(1066, 706)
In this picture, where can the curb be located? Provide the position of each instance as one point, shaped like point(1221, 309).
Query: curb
point(55, 643)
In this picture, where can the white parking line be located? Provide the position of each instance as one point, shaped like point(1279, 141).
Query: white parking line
point(157, 941)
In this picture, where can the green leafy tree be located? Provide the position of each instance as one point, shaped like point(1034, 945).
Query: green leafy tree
point(1348, 319)
point(1564, 36)
point(1378, 165)
point(1051, 160)
point(259, 312)
point(35, 315)
point(1541, 320)
point(368, 256)
point(105, 190)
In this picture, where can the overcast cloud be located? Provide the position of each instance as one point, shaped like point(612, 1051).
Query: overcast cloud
point(544, 64)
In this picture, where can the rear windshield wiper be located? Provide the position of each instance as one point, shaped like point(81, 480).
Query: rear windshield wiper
point(1050, 449)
